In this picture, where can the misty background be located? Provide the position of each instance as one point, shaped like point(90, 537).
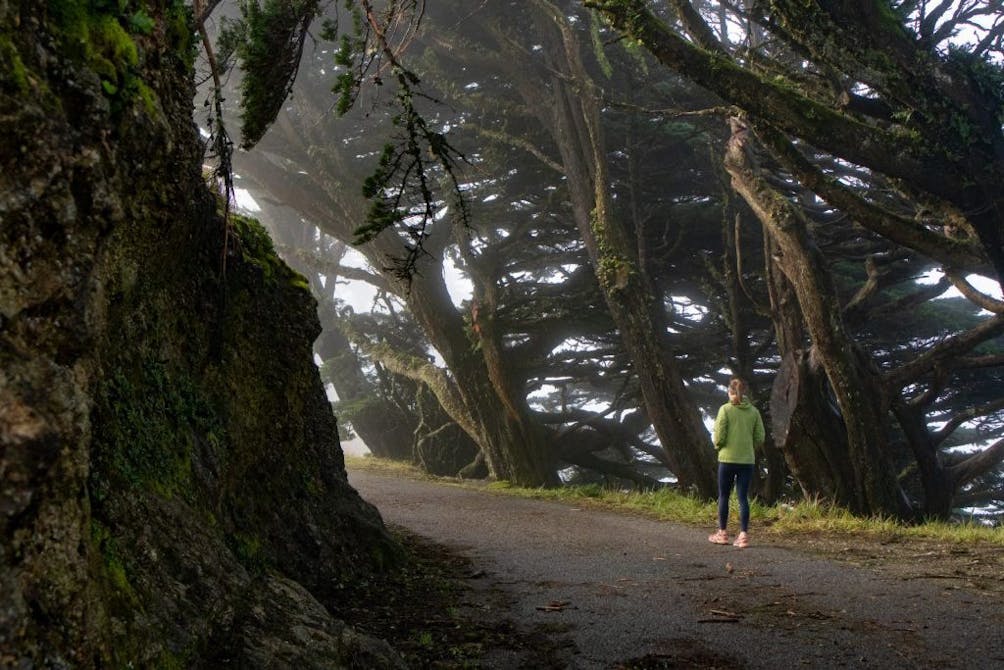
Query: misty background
point(492, 294)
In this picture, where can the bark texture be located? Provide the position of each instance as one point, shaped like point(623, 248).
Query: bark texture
point(626, 287)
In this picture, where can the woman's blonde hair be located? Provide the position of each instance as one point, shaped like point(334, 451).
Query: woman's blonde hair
point(737, 389)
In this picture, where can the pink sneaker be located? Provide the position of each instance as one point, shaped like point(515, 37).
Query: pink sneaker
point(719, 537)
point(742, 541)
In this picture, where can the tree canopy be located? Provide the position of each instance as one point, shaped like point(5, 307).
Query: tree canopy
point(647, 198)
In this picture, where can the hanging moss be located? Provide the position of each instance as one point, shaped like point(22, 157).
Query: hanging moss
point(273, 34)
point(180, 33)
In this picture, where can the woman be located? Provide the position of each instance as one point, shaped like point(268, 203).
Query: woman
point(738, 431)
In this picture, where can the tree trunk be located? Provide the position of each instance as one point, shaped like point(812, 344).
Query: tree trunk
point(935, 480)
point(767, 485)
point(626, 288)
point(873, 488)
point(385, 428)
point(494, 416)
point(808, 429)
point(440, 445)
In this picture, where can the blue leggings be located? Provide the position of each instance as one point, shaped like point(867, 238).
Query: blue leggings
point(741, 474)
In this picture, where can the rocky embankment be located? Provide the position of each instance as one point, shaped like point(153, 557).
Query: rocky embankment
point(172, 490)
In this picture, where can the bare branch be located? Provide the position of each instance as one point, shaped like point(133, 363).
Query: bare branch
point(977, 464)
point(890, 225)
point(973, 295)
point(418, 369)
point(525, 145)
point(979, 497)
point(911, 300)
point(980, 362)
point(964, 416)
point(947, 349)
point(622, 470)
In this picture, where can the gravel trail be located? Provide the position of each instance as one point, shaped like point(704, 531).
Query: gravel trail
point(613, 590)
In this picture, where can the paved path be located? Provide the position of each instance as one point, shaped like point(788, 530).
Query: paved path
point(627, 588)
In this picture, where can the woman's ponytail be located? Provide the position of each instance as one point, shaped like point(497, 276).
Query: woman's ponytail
point(737, 389)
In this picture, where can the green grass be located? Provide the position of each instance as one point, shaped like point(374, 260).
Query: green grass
point(820, 517)
point(386, 466)
point(788, 520)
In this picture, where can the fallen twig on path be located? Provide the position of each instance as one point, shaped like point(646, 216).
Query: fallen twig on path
point(721, 616)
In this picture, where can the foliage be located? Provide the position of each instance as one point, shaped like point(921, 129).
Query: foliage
point(984, 71)
point(178, 28)
point(404, 173)
point(269, 43)
point(487, 84)
point(352, 45)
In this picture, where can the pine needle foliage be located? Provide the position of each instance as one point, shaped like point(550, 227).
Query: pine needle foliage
point(269, 41)
point(402, 188)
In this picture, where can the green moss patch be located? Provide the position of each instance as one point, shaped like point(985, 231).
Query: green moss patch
point(152, 420)
point(113, 566)
point(256, 249)
point(13, 75)
point(99, 34)
point(248, 550)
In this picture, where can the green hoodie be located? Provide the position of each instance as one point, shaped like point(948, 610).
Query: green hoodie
point(738, 429)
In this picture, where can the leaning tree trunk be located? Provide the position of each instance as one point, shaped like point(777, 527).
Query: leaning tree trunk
point(424, 435)
point(385, 428)
point(805, 422)
point(439, 445)
point(934, 476)
point(626, 288)
point(513, 443)
point(739, 309)
point(873, 488)
point(809, 431)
